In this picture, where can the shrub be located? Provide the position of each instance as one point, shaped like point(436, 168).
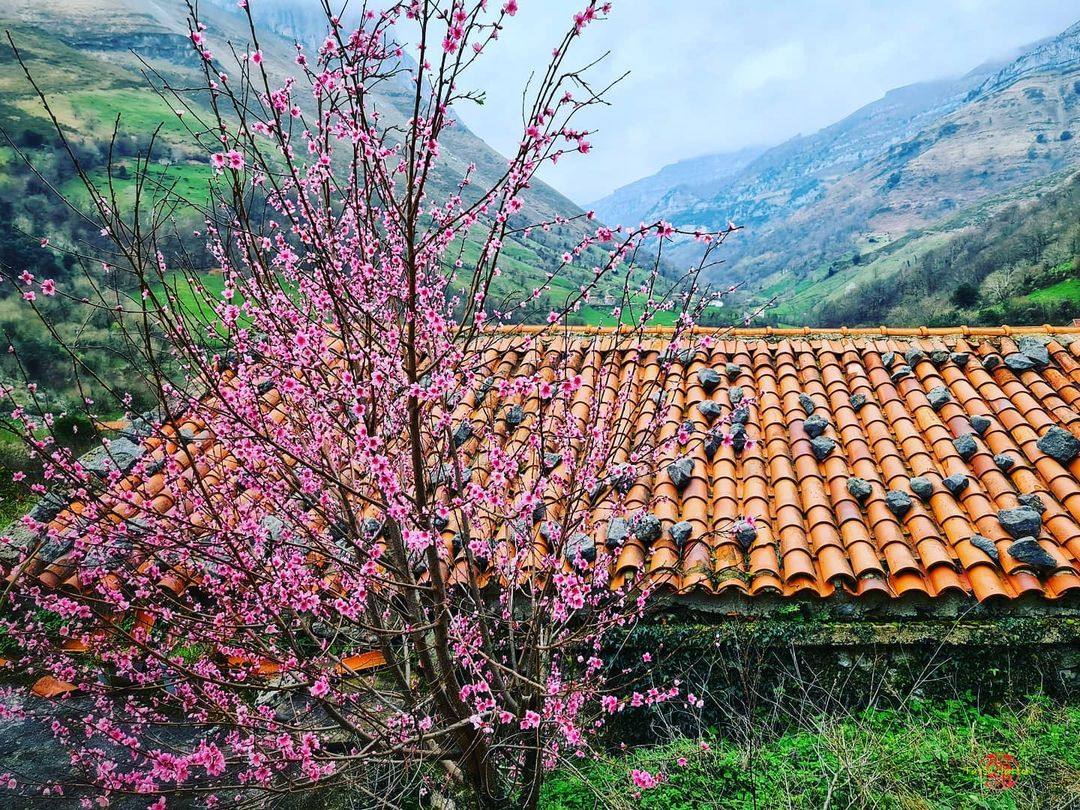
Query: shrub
point(965, 295)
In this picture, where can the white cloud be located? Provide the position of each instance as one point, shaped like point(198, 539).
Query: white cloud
point(713, 75)
point(758, 70)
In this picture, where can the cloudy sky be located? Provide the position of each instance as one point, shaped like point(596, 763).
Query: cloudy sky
point(714, 75)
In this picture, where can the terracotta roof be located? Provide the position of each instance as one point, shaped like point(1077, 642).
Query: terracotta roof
point(895, 408)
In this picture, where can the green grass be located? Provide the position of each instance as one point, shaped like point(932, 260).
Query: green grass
point(195, 297)
point(1067, 290)
point(797, 298)
point(141, 111)
point(930, 755)
point(601, 316)
point(177, 181)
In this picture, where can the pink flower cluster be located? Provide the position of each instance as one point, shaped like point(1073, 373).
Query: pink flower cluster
point(359, 470)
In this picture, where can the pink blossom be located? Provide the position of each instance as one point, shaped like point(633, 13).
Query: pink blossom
point(347, 429)
point(645, 780)
point(531, 720)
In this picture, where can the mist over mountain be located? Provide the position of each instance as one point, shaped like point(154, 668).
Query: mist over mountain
point(633, 202)
point(300, 20)
point(826, 206)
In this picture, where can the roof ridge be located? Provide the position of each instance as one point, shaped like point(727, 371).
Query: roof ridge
point(802, 331)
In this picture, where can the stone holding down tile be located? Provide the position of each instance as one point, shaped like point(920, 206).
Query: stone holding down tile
point(822, 439)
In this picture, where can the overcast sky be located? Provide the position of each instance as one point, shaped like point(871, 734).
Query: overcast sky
point(714, 75)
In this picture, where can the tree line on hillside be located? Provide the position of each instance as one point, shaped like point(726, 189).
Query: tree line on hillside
point(982, 275)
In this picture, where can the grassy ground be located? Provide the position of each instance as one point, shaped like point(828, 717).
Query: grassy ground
point(15, 496)
point(140, 109)
point(195, 298)
point(926, 756)
point(796, 298)
point(1069, 289)
point(601, 316)
point(178, 182)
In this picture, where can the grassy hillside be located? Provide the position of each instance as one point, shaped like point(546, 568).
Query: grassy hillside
point(83, 54)
point(1017, 137)
point(855, 205)
point(1015, 259)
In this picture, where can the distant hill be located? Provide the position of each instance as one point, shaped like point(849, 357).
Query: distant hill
point(828, 205)
point(632, 203)
point(1013, 258)
point(97, 59)
point(99, 62)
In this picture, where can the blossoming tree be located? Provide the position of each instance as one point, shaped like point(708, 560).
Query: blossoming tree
point(361, 547)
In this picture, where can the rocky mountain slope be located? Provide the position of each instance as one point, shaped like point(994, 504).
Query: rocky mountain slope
point(129, 33)
point(921, 155)
point(99, 59)
point(1012, 258)
point(101, 64)
point(690, 178)
point(1058, 54)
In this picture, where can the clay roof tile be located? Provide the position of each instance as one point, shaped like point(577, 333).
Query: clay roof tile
point(812, 534)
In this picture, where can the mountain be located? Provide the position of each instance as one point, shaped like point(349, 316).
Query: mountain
point(828, 204)
point(102, 64)
point(300, 20)
point(631, 203)
point(99, 59)
point(780, 180)
point(1057, 54)
point(1014, 259)
point(126, 34)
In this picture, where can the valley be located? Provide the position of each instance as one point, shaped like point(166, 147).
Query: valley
point(857, 205)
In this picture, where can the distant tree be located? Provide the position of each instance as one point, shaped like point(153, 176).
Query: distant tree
point(1066, 135)
point(31, 139)
point(1000, 285)
point(1040, 138)
point(965, 295)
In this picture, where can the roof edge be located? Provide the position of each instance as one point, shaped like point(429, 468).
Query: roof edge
point(802, 331)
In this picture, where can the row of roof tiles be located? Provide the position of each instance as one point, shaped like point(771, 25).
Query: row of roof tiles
point(873, 466)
